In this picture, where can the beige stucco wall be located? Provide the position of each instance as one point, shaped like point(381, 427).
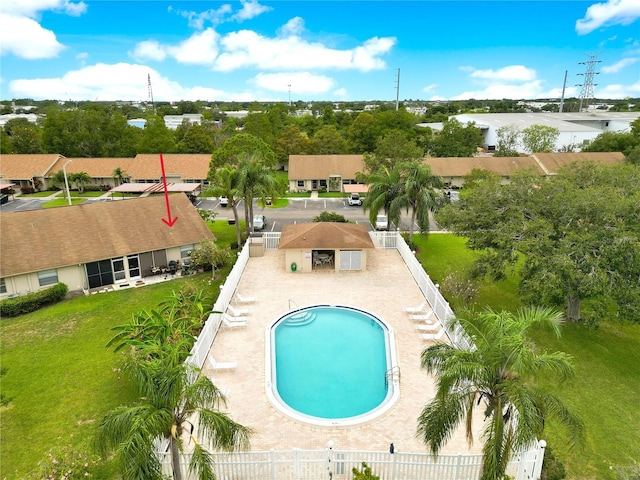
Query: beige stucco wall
point(74, 277)
point(302, 258)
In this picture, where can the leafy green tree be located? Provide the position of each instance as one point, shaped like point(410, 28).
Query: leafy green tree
point(391, 149)
point(6, 144)
point(501, 371)
point(540, 138)
point(120, 138)
point(208, 255)
point(456, 140)
point(291, 142)
point(26, 137)
point(614, 142)
point(327, 140)
point(197, 139)
point(579, 233)
point(156, 137)
point(363, 133)
point(239, 147)
point(508, 137)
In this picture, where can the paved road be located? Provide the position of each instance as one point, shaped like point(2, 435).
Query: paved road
point(299, 210)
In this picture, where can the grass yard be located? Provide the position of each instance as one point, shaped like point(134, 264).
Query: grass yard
point(606, 389)
point(62, 202)
point(46, 193)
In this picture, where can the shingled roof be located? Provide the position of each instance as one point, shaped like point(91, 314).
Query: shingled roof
point(25, 166)
point(303, 167)
point(38, 240)
point(325, 235)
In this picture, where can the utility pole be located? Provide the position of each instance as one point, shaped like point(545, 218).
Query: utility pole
point(564, 85)
point(587, 87)
point(397, 89)
point(289, 95)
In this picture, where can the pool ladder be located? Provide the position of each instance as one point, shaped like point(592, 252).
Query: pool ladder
point(392, 375)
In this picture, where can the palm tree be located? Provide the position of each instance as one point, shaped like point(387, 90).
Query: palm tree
point(500, 371)
point(256, 181)
point(385, 191)
point(171, 394)
point(225, 183)
point(80, 179)
point(419, 194)
point(120, 175)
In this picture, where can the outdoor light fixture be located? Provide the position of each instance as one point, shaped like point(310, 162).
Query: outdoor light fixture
point(66, 182)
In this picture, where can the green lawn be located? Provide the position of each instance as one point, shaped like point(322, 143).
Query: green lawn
point(62, 202)
point(606, 389)
point(46, 193)
point(61, 380)
point(87, 194)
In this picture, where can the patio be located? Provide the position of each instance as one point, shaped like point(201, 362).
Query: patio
point(383, 289)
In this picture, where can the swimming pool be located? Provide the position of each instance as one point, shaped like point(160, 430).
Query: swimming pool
point(331, 365)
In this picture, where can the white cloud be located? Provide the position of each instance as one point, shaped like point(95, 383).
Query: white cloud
point(511, 73)
point(430, 88)
point(31, 8)
point(199, 49)
point(25, 38)
point(293, 27)
point(502, 90)
point(300, 82)
point(619, 91)
point(340, 93)
point(149, 50)
point(611, 12)
point(247, 49)
point(616, 67)
point(198, 19)
point(121, 81)
point(250, 9)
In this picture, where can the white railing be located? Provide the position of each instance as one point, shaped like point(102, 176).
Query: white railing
point(333, 464)
point(201, 348)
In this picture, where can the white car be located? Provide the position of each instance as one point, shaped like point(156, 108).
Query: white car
point(355, 200)
point(382, 222)
point(224, 201)
point(259, 222)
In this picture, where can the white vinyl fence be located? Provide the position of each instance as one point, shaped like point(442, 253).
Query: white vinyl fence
point(338, 464)
point(332, 464)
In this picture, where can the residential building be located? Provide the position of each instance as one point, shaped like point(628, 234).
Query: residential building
point(95, 245)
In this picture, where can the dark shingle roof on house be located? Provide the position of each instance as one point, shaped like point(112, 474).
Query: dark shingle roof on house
point(329, 235)
point(42, 239)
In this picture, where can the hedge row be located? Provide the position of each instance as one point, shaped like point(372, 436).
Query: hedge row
point(12, 307)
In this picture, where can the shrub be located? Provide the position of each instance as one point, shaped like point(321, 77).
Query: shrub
point(93, 188)
point(12, 307)
point(552, 468)
point(27, 189)
point(330, 217)
point(365, 474)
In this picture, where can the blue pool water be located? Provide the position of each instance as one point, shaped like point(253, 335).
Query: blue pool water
point(330, 362)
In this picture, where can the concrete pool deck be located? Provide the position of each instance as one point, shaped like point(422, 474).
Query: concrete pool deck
point(384, 289)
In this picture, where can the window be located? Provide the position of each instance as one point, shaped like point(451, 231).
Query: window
point(185, 251)
point(300, 183)
point(48, 277)
point(3, 286)
point(323, 183)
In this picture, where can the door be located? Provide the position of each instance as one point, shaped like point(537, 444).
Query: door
point(119, 274)
point(134, 267)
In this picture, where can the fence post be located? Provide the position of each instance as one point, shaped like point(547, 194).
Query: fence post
point(273, 464)
point(456, 475)
point(537, 467)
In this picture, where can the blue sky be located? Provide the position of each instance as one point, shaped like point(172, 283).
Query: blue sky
point(315, 50)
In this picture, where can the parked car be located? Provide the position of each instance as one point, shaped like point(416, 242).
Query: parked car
point(382, 222)
point(259, 222)
point(224, 201)
point(4, 199)
point(355, 200)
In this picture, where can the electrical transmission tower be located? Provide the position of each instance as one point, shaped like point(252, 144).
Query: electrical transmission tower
point(153, 105)
point(586, 93)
